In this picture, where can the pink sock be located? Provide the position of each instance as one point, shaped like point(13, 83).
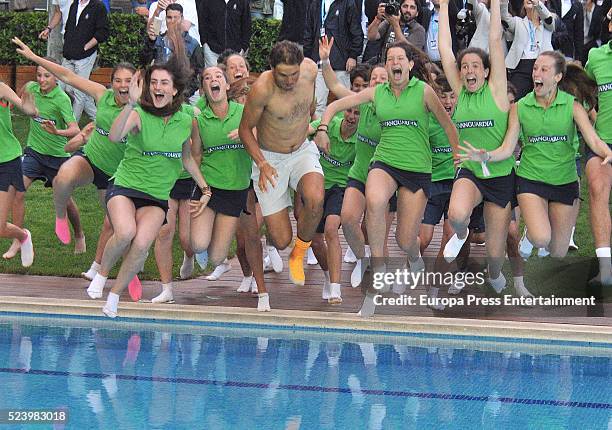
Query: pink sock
point(62, 230)
point(133, 349)
point(135, 288)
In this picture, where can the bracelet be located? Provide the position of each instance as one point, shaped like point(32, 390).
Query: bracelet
point(322, 125)
point(323, 130)
point(206, 191)
point(325, 62)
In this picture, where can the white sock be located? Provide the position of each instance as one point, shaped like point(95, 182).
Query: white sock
point(605, 264)
point(417, 265)
point(335, 294)
point(95, 267)
point(525, 246)
point(453, 246)
point(326, 294)
point(187, 267)
point(96, 286)
point(520, 288)
point(245, 285)
point(499, 283)
point(165, 296)
point(112, 302)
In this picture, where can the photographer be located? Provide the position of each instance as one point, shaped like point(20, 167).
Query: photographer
point(482, 15)
point(400, 26)
point(532, 35)
point(429, 19)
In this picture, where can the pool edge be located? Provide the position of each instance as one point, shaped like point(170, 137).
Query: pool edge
point(317, 319)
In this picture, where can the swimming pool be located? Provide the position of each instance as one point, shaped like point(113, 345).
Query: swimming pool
point(139, 376)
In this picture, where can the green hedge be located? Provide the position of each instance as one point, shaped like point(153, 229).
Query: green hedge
point(264, 35)
point(124, 43)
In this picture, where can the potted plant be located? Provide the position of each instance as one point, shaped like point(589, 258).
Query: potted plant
point(264, 35)
point(7, 51)
point(27, 26)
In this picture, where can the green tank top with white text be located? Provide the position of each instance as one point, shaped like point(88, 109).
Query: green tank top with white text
point(368, 136)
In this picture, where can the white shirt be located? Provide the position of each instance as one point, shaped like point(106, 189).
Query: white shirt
point(189, 13)
point(566, 5)
point(64, 6)
point(534, 41)
point(81, 6)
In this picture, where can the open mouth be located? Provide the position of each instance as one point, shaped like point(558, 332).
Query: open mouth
point(471, 81)
point(123, 92)
point(537, 84)
point(159, 97)
point(397, 73)
point(448, 109)
point(215, 89)
point(238, 75)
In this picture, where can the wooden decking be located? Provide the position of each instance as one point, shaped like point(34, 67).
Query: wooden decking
point(284, 295)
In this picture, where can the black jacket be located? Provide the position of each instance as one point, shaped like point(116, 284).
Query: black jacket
point(92, 23)
point(424, 19)
point(294, 21)
point(224, 26)
point(572, 45)
point(343, 22)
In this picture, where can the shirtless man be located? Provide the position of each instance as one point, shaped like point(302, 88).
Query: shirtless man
point(278, 105)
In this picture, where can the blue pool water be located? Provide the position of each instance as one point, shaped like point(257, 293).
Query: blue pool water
point(215, 378)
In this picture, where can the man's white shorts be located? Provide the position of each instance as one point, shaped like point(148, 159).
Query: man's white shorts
point(290, 168)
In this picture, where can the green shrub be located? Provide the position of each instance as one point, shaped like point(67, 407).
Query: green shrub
point(264, 35)
point(124, 43)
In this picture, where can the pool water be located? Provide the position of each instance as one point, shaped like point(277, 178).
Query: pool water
point(219, 378)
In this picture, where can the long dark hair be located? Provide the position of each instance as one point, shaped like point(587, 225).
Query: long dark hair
point(178, 67)
point(418, 57)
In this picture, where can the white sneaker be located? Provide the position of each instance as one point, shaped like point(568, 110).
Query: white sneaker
point(335, 295)
point(202, 259)
point(254, 289)
point(498, 284)
point(357, 273)
point(187, 266)
point(525, 246)
point(226, 266)
point(263, 303)
point(311, 260)
point(275, 259)
point(267, 264)
point(543, 252)
point(245, 285)
point(453, 246)
point(164, 297)
point(349, 256)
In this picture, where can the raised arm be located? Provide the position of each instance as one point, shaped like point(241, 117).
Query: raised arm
point(497, 74)
point(373, 28)
point(507, 17)
point(445, 46)
point(599, 147)
point(433, 104)
point(545, 16)
point(331, 80)
point(127, 120)
point(26, 105)
point(65, 75)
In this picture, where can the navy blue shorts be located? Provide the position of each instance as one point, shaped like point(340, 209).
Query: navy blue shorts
point(357, 184)
point(437, 204)
point(332, 205)
point(139, 198)
point(101, 179)
point(39, 166)
point(10, 174)
point(182, 190)
point(499, 190)
point(227, 202)
point(413, 181)
point(565, 193)
point(588, 152)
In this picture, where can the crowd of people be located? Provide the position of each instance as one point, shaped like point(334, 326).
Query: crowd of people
point(425, 126)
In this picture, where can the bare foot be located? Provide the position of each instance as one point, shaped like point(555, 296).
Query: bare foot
point(13, 250)
point(79, 245)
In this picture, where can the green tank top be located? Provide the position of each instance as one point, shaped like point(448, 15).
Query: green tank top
point(225, 163)
point(56, 107)
point(404, 121)
point(599, 67)
point(368, 136)
point(201, 103)
point(483, 125)
point(548, 137)
point(103, 153)
point(442, 164)
point(337, 164)
point(153, 157)
point(9, 145)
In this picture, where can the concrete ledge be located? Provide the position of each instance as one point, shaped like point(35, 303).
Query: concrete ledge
point(158, 315)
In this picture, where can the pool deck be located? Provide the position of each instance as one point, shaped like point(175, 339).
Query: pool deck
point(201, 300)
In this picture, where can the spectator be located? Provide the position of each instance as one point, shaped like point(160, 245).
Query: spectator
point(605, 24)
point(532, 33)
point(428, 18)
point(294, 21)
point(190, 16)
point(262, 8)
point(341, 20)
point(401, 27)
point(54, 32)
point(372, 48)
point(482, 15)
point(86, 27)
point(141, 7)
point(224, 24)
point(593, 16)
point(159, 49)
point(572, 16)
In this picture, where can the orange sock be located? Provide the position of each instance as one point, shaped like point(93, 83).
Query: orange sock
point(296, 261)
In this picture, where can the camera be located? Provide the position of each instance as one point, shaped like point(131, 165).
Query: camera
point(392, 8)
point(466, 26)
